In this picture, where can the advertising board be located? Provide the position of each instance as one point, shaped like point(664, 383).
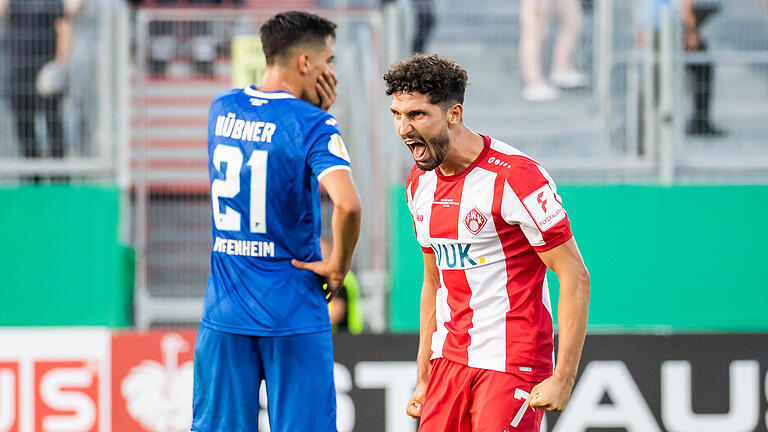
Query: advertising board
point(94, 380)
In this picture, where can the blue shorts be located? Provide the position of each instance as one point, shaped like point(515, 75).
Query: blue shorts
point(298, 371)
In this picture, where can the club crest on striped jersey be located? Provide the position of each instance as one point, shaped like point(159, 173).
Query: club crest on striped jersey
point(475, 221)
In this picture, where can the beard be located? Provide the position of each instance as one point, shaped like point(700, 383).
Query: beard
point(435, 148)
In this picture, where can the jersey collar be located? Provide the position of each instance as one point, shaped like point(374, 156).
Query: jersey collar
point(276, 94)
point(480, 157)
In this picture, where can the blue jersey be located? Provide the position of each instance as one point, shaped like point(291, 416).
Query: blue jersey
point(266, 153)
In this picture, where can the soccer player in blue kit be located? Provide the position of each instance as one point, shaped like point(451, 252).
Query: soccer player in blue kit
point(265, 314)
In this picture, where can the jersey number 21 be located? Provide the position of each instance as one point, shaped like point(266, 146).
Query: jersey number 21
point(229, 187)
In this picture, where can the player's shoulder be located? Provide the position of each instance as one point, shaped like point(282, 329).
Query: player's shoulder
point(516, 167)
point(226, 95)
point(224, 99)
point(308, 117)
point(414, 179)
point(316, 118)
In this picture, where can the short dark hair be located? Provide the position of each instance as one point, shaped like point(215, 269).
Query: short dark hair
point(289, 29)
point(441, 79)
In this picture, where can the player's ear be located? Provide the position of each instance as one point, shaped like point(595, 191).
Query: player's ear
point(455, 113)
point(302, 62)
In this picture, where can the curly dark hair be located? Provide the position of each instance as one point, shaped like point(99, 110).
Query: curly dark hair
point(288, 29)
point(441, 79)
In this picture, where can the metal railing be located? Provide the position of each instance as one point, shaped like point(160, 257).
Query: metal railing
point(679, 109)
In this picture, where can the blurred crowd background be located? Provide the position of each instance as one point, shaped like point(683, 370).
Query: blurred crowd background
point(107, 95)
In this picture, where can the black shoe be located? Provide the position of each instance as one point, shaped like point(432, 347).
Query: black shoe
point(704, 128)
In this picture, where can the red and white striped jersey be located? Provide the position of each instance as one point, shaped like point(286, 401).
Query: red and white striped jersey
point(485, 226)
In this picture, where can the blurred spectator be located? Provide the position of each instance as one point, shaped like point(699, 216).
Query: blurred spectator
point(425, 22)
point(167, 36)
point(39, 40)
point(80, 107)
point(534, 20)
point(700, 74)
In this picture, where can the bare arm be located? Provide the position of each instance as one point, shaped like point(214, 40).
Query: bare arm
point(345, 224)
point(63, 40)
point(63, 28)
point(573, 307)
point(337, 307)
point(426, 328)
point(691, 35)
point(686, 10)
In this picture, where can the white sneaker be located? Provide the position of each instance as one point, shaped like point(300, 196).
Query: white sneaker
point(568, 79)
point(540, 93)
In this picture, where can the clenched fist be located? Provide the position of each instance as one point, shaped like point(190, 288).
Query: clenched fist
point(552, 394)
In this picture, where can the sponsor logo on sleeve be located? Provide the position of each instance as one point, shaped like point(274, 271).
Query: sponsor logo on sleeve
point(545, 209)
point(337, 148)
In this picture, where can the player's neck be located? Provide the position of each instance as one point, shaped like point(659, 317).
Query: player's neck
point(466, 146)
point(276, 79)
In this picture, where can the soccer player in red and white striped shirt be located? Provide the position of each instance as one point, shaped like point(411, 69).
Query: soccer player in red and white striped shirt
point(490, 223)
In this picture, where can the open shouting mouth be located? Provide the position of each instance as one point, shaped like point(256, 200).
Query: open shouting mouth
point(418, 150)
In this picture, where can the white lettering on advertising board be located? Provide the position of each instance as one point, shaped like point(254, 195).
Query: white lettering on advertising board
point(54, 380)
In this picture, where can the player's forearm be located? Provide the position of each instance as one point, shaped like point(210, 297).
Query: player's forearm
point(426, 329)
point(686, 8)
point(345, 224)
point(573, 309)
point(63, 40)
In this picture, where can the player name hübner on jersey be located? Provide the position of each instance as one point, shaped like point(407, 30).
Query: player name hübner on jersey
point(230, 126)
point(485, 226)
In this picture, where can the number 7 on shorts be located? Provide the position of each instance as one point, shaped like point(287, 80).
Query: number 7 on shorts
point(523, 395)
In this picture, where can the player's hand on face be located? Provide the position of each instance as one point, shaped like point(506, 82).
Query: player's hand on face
point(334, 277)
point(416, 402)
point(552, 394)
point(326, 88)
